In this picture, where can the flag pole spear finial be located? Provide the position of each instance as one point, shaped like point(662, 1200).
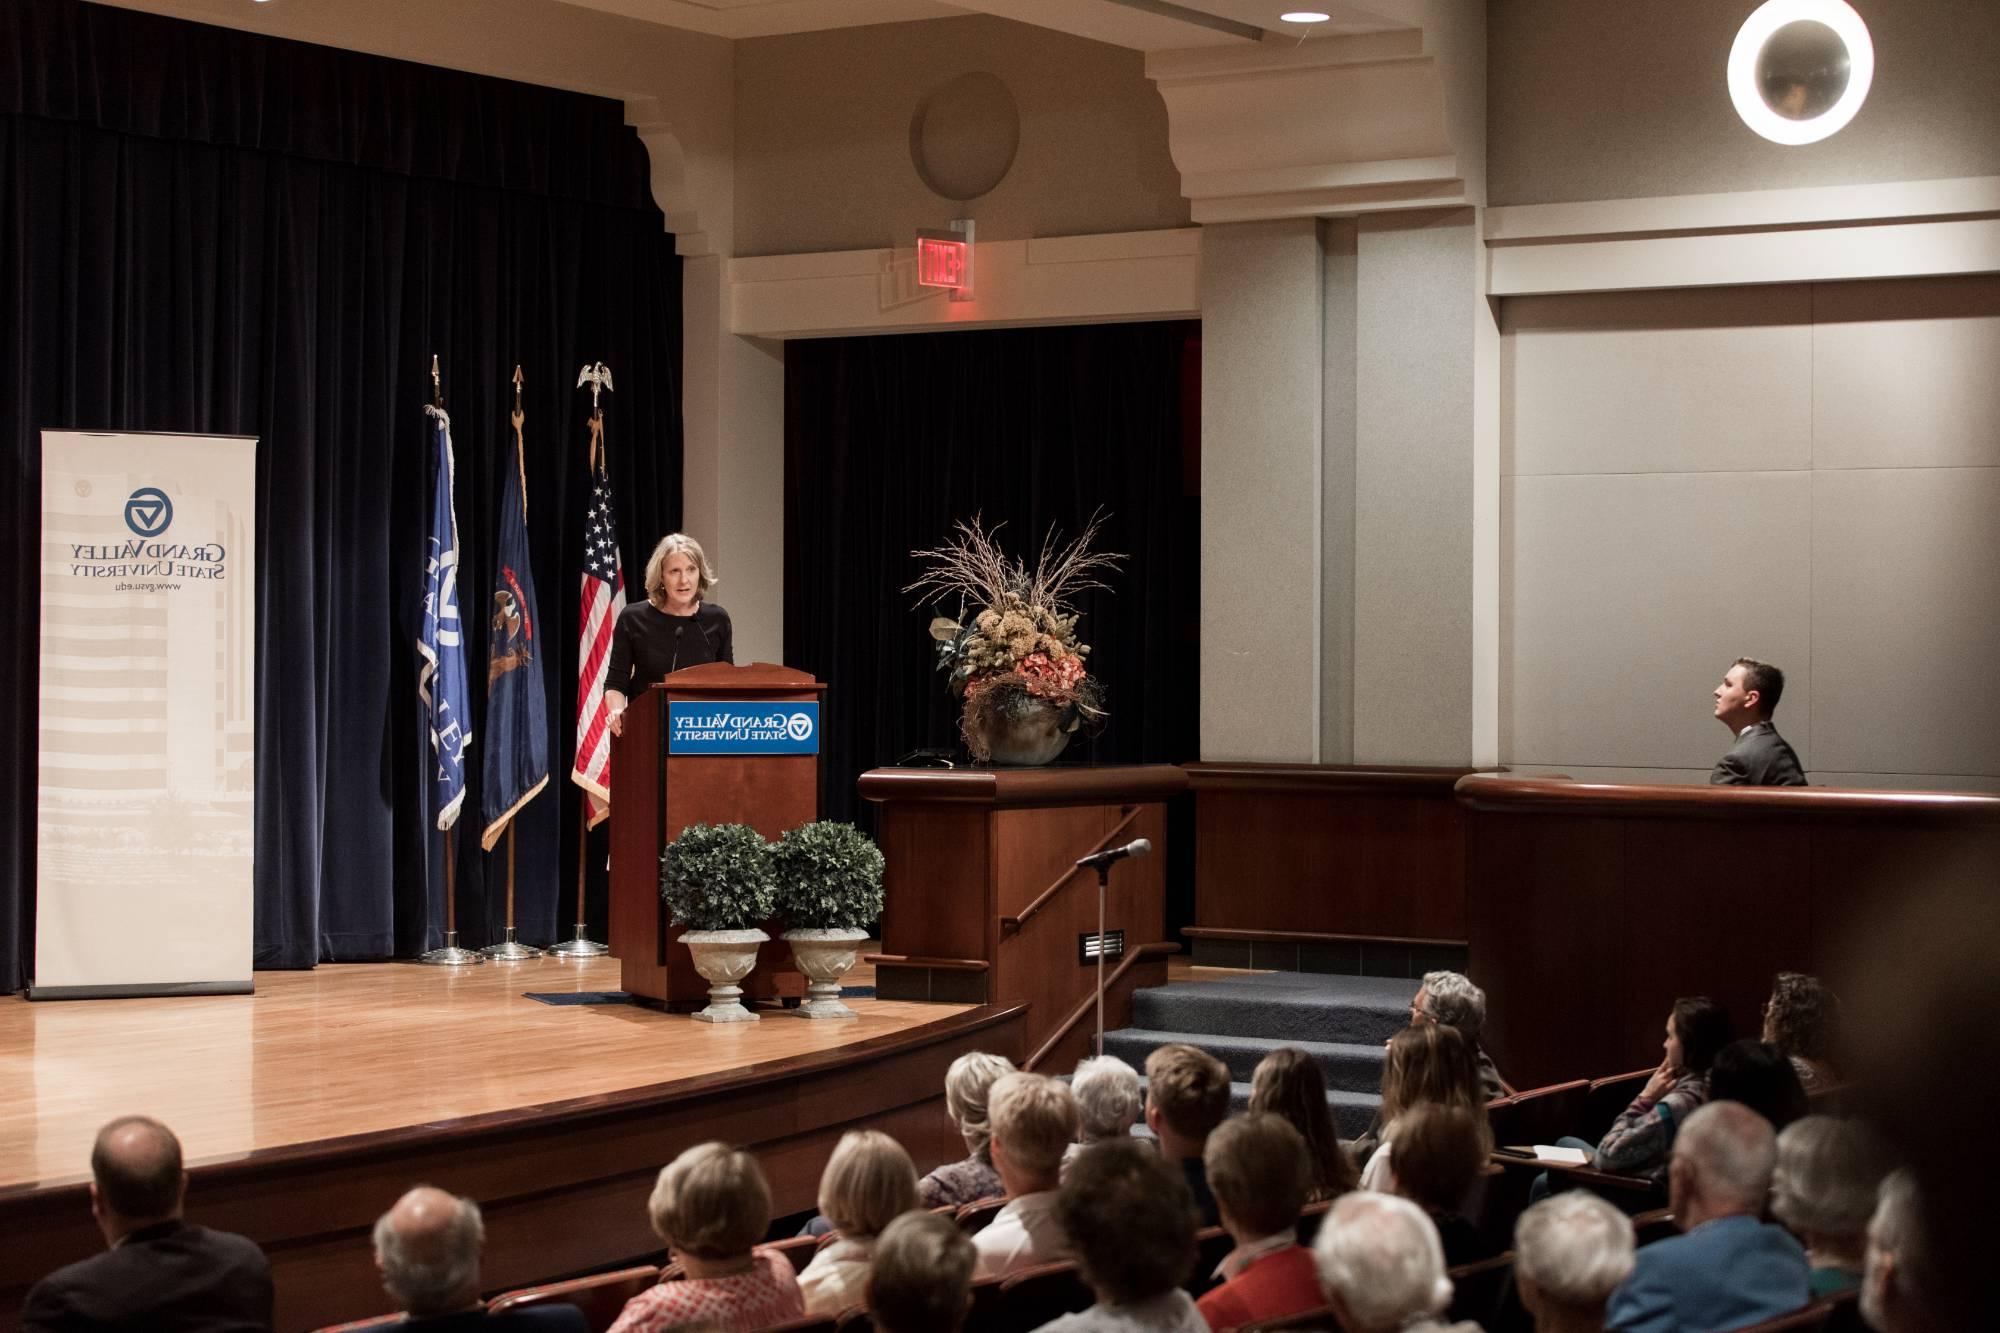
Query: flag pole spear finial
point(437, 385)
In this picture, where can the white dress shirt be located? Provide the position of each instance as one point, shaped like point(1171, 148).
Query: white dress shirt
point(1025, 1233)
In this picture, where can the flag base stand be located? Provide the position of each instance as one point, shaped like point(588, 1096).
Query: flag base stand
point(580, 947)
point(451, 955)
point(510, 950)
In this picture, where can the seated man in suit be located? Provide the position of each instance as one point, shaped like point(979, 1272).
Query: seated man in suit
point(1730, 1269)
point(160, 1274)
point(1744, 703)
point(427, 1249)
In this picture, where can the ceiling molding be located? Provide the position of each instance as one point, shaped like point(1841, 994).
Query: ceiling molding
point(1335, 127)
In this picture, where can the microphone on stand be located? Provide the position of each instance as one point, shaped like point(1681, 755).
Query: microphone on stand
point(1099, 860)
point(1102, 862)
point(675, 664)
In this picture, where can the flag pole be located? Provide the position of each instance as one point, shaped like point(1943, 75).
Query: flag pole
point(582, 946)
point(598, 376)
point(510, 949)
point(450, 955)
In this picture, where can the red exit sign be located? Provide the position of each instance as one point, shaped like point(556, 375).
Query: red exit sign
point(943, 262)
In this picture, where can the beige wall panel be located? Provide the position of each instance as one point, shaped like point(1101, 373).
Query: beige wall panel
point(1260, 491)
point(823, 136)
point(1413, 443)
point(1627, 597)
point(1706, 380)
point(1595, 100)
point(1906, 621)
point(1907, 374)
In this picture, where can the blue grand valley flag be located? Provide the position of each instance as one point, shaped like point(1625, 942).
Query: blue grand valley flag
point(441, 677)
point(517, 718)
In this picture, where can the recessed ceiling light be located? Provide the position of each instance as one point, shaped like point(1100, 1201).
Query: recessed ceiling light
point(1303, 16)
point(1800, 69)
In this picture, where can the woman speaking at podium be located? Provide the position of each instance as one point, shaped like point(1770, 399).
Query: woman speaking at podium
point(674, 627)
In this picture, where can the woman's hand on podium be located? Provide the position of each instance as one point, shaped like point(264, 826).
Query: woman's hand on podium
point(618, 722)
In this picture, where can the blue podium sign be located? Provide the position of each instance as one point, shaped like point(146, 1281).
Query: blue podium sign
point(722, 727)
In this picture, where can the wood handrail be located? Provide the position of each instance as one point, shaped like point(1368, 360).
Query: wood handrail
point(1011, 924)
point(1494, 794)
point(1145, 953)
point(936, 964)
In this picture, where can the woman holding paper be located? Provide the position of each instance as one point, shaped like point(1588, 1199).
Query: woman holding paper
point(676, 626)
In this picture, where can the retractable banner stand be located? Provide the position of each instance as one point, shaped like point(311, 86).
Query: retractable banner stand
point(148, 693)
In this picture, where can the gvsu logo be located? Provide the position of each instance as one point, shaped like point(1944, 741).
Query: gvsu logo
point(148, 511)
point(799, 726)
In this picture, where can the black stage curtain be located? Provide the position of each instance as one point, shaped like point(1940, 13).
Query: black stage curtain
point(889, 440)
point(214, 232)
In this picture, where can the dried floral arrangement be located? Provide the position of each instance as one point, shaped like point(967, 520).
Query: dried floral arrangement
point(1020, 651)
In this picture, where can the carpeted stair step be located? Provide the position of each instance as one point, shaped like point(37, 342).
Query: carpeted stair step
point(1349, 1065)
point(1286, 1007)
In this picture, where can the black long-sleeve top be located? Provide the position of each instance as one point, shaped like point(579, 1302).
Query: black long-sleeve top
point(647, 643)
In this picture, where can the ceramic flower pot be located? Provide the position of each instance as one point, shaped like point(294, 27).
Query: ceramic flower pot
point(825, 956)
point(1031, 737)
point(723, 958)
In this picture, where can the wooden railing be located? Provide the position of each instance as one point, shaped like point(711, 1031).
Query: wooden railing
point(1010, 924)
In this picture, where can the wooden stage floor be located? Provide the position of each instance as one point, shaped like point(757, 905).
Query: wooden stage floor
point(361, 1048)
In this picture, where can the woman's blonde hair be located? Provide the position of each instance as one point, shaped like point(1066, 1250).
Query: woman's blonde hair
point(868, 1183)
point(1432, 1064)
point(966, 1084)
point(671, 545)
point(711, 1202)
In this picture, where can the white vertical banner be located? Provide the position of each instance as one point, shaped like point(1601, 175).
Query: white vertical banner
point(144, 810)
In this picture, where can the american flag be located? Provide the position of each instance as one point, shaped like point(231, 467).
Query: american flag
point(603, 599)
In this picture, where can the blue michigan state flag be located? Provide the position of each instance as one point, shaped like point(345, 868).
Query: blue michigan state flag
point(441, 677)
point(517, 718)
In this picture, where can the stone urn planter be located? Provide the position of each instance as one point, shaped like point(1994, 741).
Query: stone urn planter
point(724, 958)
point(829, 892)
point(717, 883)
point(825, 956)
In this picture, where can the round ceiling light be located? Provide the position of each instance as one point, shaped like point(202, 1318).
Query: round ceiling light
point(1800, 69)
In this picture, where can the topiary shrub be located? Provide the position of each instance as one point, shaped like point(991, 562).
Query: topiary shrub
point(829, 877)
point(718, 877)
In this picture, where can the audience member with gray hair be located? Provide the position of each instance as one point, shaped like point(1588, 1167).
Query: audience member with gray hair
point(1570, 1253)
point(966, 1084)
point(1730, 1268)
point(427, 1250)
point(1898, 1290)
point(1824, 1189)
point(1107, 1098)
point(1452, 999)
point(1382, 1267)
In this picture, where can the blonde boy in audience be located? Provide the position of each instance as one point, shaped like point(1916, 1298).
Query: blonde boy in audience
point(1034, 1120)
point(921, 1281)
point(868, 1183)
point(1187, 1095)
point(711, 1206)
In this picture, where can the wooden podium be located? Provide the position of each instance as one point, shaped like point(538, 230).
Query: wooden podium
point(654, 795)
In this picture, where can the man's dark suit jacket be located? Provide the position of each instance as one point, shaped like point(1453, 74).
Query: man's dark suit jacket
point(1760, 758)
point(169, 1278)
point(552, 1318)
